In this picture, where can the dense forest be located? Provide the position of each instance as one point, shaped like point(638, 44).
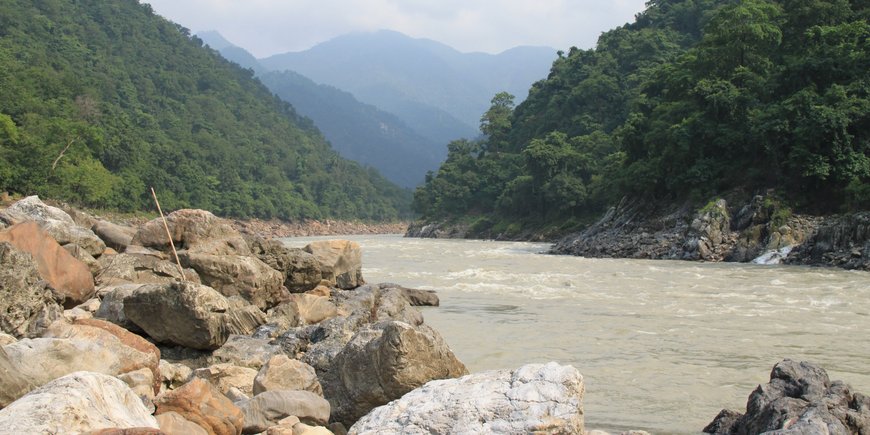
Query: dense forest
point(693, 99)
point(100, 99)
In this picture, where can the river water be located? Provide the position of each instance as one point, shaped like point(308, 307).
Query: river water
point(662, 345)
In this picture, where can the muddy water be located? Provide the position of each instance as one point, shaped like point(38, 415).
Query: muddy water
point(662, 345)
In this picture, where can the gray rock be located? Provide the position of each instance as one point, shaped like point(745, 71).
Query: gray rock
point(14, 383)
point(190, 315)
point(536, 398)
point(27, 306)
point(112, 306)
point(55, 222)
point(77, 403)
point(140, 269)
point(267, 409)
point(382, 364)
point(115, 236)
point(234, 275)
point(799, 399)
point(245, 351)
point(84, 256)
point(193, 231)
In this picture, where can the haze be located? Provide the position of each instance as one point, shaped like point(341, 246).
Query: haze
point(266, 27)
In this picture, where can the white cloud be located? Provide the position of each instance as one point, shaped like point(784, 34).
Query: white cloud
point(267, 27)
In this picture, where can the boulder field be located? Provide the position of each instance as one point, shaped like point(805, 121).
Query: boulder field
point(102, 332)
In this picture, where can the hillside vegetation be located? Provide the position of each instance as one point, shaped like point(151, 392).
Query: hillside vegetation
point(694, 98)
point(102, 99)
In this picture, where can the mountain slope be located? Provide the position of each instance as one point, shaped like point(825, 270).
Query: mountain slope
point(406, 75)
point(696, 99)
point(102, 99)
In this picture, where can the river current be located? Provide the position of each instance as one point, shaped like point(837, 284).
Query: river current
point(663, 345)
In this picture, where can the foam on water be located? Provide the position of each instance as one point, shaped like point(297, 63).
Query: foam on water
point(663, 345)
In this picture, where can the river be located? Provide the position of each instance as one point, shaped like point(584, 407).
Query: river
point(663, 345)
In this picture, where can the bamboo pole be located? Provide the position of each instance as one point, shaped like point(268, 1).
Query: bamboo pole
point(169, 235)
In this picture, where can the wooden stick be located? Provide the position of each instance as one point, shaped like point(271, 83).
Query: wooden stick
point(168, 234)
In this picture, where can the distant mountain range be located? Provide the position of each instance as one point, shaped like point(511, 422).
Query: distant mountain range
point(390, 101)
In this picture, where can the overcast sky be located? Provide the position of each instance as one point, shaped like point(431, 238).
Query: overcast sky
point(266, 27)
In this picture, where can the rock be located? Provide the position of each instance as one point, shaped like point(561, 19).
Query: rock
point(245, 351)
point(320, 290)
point(283, 317)
point(85, 257)
point(340, 262)
point(76, 403)
point(313, 309)
point(193, 231)
point(71, 316)
point(380, 365)
point(141, 250)
point(6, 339)
point(536, 398)
point(226, 376)
point(140, 269)
point(27, 306)
point(422, 298)
point(266, 409)
point(141, 382)
point(190, 315)
point(14, 383)
point(174, 375)
point(126, 431)
point(283, 373)
point(57, 223)
point(304, 429)
point(115, 236)
point(234, 275)
point(173, 423)
point(70, 278)
point(200, 403)
point(799, 399)
point(300, 269)
point(112, 306)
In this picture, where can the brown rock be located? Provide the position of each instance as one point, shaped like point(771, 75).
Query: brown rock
point(172, 423)
point(234, 275)
point(283, 373)
point(132, 340)
point(226, 376)
point(200, 403)
point(267, 409)
point(141, 269)
point(340, 262)
point(57, 223)
point(194, 231)
point(115, 236)
point(70, 278)
point(313, 309)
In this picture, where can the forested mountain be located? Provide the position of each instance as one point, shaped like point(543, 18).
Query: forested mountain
point(438, 91)
point(360, 132)
point(102, 99)
point(694, 98)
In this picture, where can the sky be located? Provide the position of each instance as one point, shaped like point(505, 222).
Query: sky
point(266, 27)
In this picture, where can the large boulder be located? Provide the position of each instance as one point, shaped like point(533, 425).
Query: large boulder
point(383, 363)
point(92, 346)
point(190, 315)
point(267, 409)
point(79, 402)
point(536, 398)
point(14, 383)
point(283, 373)
point(27, 306)
point(235, 275)
point(70, 278)
point(56, 222)
point(193, 231)
point(200, 403)
point(141, 269)
point(246, 351)
point(117, 237)
point(340, 262)
point(301, 270)
point(799, 399)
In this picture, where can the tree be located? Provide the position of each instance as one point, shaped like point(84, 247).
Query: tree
point(496, 122)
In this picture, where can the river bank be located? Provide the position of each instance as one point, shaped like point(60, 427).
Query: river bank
point(729, 229)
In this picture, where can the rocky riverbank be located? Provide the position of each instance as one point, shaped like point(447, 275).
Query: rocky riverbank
point(102, 331)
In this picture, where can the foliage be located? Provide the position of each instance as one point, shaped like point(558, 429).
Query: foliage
point(102, 99)
point(695, 98)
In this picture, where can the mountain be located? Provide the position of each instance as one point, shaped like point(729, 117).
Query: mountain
point(694, 100)
point(103, 99)
point(358, 131)
point(426, 83)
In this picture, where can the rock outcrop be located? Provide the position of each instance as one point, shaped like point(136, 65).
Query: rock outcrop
point(800, 399)
point(79, 402)
point(340, 262)
point(842, 241)
point(536, 398)
point(190, 315)
point(69, 278)
point(27, 305)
